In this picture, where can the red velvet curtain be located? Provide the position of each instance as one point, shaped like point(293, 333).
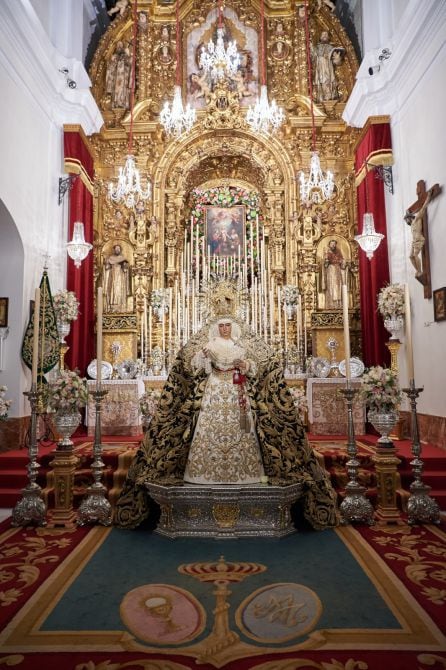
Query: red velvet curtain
point(373, 149)
point(78, 160)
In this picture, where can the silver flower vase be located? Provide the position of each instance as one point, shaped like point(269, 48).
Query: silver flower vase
point(384, 422)
point(66, 422)
point(393, 324)
point(63, 328)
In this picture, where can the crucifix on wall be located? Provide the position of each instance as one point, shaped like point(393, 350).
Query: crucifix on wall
point(416, 218)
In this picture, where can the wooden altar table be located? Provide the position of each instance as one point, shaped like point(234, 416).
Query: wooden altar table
point(327, 408)
point(120, 408)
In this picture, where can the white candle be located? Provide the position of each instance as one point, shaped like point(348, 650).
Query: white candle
point(150, 329)
point(279, 314)
point(408, 328)
point(99, 340)
point(346, 331)
point(252, 253)
point(35, 336)
point(285, 326)
point(163, 331)
point(298, 317)
point(170, 315)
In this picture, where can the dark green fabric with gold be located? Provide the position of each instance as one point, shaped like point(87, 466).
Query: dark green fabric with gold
point(287, 456)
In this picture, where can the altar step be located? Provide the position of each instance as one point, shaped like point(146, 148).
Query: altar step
point(118, 453)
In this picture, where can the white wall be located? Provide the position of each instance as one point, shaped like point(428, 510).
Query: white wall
point(410, 88)
point(35, 103)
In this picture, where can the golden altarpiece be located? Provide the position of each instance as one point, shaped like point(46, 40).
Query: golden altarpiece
point(221, 155)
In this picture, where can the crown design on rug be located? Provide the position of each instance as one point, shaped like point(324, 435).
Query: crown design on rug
point(221, 571)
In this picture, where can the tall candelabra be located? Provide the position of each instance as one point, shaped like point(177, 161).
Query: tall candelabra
point(355, 507)
point(95, 508)
point(421, 507)
point(31, 507)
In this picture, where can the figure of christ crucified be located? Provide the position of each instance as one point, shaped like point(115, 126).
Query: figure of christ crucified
point(415, 217)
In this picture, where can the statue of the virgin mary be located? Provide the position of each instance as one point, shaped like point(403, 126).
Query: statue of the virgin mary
point(226, 416)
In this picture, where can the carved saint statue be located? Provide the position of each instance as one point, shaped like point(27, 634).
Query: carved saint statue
point(325, 57)
point(333, 274)
point(116, 281)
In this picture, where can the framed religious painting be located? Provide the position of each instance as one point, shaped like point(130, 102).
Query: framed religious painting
point(4, 312)
point(225, 230)
point(440, 304)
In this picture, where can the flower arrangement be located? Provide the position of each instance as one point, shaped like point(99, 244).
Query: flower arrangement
point(300, 401)
point(391, 300)
point(148, 402)
point(4, 404)
point(290, 294)
point(66, 305)
point(67, 393)
point(380, 389)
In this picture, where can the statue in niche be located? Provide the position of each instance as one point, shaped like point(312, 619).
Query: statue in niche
point(116, 280)
point(325, 57)
point(333, 272)
point(117, 77)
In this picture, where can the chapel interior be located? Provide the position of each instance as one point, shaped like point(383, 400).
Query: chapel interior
point(225, 219)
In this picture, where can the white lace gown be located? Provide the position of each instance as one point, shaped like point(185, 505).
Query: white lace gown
point(221, 452)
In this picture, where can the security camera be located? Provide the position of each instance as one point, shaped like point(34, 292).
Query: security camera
point(71, 83)
point(374, 70)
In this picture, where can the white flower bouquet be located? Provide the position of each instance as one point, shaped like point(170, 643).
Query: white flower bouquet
point(4, 404)
point(300, 401)
point(66, 305)
point(148, 402)
point(68, 392)
point(380, 389)
point(290, 294)
point(391, 301)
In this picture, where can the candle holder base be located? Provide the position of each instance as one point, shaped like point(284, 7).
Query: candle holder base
point(421, 508)
point(30, 509)
point(355, 508)
point(95, 508)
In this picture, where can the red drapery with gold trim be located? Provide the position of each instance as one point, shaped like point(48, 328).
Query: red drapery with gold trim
point(78, 160)
point(373, 149)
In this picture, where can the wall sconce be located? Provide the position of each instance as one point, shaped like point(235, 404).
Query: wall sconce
point(4, 332)
point(78, 248)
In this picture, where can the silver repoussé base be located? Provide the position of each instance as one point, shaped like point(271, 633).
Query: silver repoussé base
point(355, 507)
point(421, 508)
point(31, 508)
point(225, 510)
point(95, 508)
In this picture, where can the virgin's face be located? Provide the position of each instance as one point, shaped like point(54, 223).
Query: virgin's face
point(225, 329)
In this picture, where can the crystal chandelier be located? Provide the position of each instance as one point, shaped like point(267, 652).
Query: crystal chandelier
point(317, 187)
point(78, 248)
point(175, 119)
point(129, 189)
point(263, 116)
point(217, 60)
point(369, 240)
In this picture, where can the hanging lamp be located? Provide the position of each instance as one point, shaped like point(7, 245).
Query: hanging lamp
point(263, 116)
point(317, 187)
point(216, 60)
point(128, 189)
point(369, 240)
point(78, 248)
point(174, 118)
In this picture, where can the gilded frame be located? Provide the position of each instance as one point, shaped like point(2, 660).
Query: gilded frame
point(439, 296)
point(229, 223)
point(4, 303)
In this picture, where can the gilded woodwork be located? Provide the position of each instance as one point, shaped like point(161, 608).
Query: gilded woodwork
point(221, 148)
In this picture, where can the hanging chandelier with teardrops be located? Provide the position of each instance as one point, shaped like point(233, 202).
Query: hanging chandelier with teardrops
point(369, 240)
point(317, 186)
point(176, 119)
point(263, 116)
point(216, 59)
point(129, 189)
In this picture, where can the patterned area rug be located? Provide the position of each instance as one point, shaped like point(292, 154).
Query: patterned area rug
point(108, 599)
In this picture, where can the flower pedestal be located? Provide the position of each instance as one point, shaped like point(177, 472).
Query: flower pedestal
point(63, 469)
point(386, 467)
